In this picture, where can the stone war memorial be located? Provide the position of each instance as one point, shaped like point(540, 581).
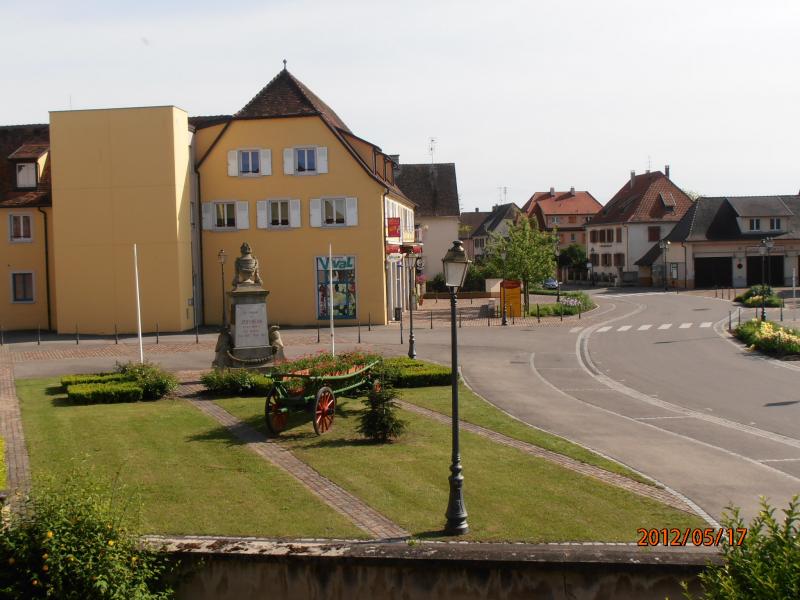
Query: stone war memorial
point(247, 340)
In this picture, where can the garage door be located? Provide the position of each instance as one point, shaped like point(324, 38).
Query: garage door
point(713, 272)
point(773, 267)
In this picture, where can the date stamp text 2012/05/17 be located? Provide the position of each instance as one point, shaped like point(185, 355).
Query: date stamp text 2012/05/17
point(691, 536)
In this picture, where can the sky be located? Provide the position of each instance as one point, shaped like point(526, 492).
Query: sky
point(519, 95)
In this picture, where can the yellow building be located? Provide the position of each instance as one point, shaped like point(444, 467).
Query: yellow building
point(284, 174)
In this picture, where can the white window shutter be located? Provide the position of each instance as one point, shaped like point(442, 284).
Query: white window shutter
point(233, 163)
point(208, 215)
point(316, 212)
point(294, 213)
point(242, 216)
point(262, 217)
point(288, 161)
point(266, 161)
point(322, 159)
point(352, 212)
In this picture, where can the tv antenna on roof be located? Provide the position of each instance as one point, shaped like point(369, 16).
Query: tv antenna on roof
point(502, 193)
point(432, 148)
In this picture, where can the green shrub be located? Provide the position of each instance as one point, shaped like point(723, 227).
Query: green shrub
point(765, 566)
point(768, 337)
point(74, 540)
point(69, 380)
point(154, 381)
point(756, 290)
point(756, 301)
point(405, 372)
point(104, 393)
point(379, 421)
point(572, 303)
point(236, 382)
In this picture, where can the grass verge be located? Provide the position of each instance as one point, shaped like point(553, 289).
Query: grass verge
point(509, 495)
point(193, 476)
point(474, 409)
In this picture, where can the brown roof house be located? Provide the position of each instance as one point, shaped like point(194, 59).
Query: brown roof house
point(623, 237)
point(564, 212)
point(434, 189)
point(736, 242)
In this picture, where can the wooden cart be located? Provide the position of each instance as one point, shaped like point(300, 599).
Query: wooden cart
point(317, 396)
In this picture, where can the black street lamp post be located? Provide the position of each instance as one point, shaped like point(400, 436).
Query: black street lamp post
point(221, 256)
point(664, 245)
point(413, 265)
point(558, 280)
point(455, 264)
point(764, 248)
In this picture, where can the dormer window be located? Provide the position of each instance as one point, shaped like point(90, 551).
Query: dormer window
point(774, 224)
point(755, 224)
point(26, 175)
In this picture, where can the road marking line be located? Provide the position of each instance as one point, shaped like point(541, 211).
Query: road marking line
point(644, 327)
point(685, 325)
point(706, 324)
point(603, 329)
point(778, 459)
point(575, 329)
point(624, 328)
point(654, 418)
point(665, 326)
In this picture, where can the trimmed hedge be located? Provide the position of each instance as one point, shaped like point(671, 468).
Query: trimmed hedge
point(69, 380)
point(154, 381)
point(236, 382)
point(103, 393)
point(409, 373)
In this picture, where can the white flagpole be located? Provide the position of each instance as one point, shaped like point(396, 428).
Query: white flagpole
point(138, 303)
point(330, 297)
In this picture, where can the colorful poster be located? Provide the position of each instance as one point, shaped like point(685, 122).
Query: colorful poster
point(344, 287)
point(394, 227)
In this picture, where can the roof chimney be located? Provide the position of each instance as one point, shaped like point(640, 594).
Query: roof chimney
point(666, 171)
point(476, 209)
point(633, 178)
point(572, 191)
point(552, 191)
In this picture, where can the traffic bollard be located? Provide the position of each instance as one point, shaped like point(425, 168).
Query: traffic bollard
point(77, 335)
point(781, 310)
point(431, 319)
point(460, 317)
point(401, 328)
point(38, 335)
point(196, 333)
point(2, 341)
point(538, 316)
point(359, 332)
point(157, 333)
point(561, 311)
point(739, 320)
point(730, 323)
point(369, 321)
point(318, 332)
point(116, 335)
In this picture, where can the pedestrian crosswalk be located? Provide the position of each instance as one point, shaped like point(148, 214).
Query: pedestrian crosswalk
point(645, 327)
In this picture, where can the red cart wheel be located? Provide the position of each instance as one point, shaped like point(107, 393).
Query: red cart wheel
point(324, 408)
point(274, 414)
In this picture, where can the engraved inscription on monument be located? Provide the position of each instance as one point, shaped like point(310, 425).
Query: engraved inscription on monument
point(251, 326)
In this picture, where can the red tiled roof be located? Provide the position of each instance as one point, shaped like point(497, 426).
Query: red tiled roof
point(286, 96)
point(563, 203)
point(13, 139)
point(29, 151)
point(647, 200)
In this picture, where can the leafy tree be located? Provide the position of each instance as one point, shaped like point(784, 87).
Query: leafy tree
point(523, 253)
point(573, 256)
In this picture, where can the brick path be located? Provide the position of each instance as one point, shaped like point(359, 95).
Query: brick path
point(106, 350)
point(351, 507)
point(16, 454)
point(642, 489)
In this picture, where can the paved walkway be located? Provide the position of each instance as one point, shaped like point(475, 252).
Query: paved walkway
point(18, 476)
point(351, 507)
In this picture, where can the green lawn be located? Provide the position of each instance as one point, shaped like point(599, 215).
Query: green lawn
point(509, 495)
point(474, 409)
point(193, 476)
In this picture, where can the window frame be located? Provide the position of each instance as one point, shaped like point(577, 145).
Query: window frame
point(296, 151)
point(554, 220)
point(333, 200)
point(774, 223)
point(35, 168)
point(20, 240)
point(251, 152)
point(279, 202)
point(218, 227)
point(757, 222)
point(13, 289)
point(651, 229)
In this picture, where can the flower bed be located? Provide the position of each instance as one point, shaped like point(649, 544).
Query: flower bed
point(571, 303)
point(759, 295)
point(769, 338)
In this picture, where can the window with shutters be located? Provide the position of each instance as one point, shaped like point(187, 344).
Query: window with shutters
point(619, 235)
point(334, 211)
point(278, 213)
point(22, 287)
point(593, 236)
point(26, 175)
point(594, 259)
point(602, 236)
point(249, 162)
point(305, 160)
point(619, 259)
point(606, 258)
point(225, 215)
point(20, 228)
